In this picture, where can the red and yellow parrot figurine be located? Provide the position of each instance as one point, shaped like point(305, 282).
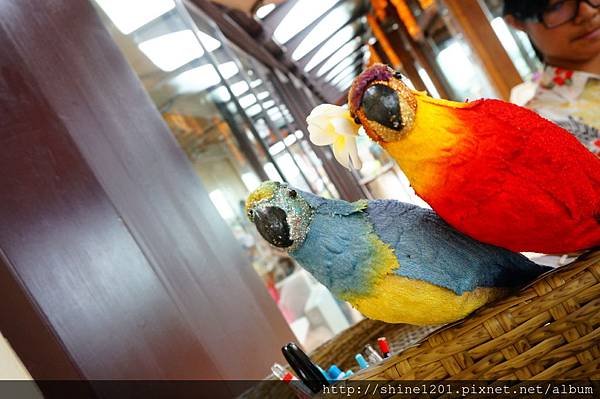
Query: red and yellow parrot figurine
point(495, 171)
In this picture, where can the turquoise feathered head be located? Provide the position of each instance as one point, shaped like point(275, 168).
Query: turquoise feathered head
point(280, 214)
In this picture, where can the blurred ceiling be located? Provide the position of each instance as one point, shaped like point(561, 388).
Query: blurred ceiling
point(322, 42)
point(325, 40)
point(248, 6)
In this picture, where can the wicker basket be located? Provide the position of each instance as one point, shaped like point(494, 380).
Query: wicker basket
point(341, 349)
point(550, 330)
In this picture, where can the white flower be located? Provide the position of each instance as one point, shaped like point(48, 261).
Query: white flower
point(332, 125)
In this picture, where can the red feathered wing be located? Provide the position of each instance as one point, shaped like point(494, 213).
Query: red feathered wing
point(520, 181)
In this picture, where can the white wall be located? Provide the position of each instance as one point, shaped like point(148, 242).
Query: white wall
point(11, 367)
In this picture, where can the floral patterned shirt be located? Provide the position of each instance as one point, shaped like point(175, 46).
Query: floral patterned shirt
point(570, 99)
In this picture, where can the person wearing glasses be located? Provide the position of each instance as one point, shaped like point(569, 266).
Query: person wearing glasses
point(566, 36)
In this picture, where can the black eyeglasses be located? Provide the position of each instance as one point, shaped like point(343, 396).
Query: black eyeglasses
point(562, 12)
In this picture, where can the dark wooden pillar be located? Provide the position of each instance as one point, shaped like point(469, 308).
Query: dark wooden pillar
point(114, 264)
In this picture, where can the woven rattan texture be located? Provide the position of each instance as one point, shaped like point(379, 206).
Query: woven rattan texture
point(550, 330)
point(341, 349)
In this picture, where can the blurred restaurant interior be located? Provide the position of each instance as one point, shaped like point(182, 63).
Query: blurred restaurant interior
point(233, 82)
point(238, 111)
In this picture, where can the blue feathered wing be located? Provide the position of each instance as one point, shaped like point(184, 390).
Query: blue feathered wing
point(428, 249)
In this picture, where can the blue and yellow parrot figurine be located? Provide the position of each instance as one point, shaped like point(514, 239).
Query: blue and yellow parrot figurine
point(393, 261)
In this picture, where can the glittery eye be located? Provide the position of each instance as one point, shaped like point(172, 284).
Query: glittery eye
point(292, 194)
point(387, 110)
point(382, 105)
point(250, 214)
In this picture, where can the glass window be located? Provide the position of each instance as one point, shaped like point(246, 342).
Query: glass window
point(301, 15)
point(461, 68)
point(330, 23)
point(515, 42)
point(462, 71)
point(223, 109)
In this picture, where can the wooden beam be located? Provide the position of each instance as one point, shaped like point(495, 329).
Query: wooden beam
point(408, 62)
point(383, 40)
point(380, 53)
point(423, 57)
point(479, 33)
point(404, 12)
point(374, 58)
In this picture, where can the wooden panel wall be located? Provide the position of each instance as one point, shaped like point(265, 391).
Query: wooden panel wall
point(113, 262)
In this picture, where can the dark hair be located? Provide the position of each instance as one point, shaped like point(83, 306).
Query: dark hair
point(524, 9)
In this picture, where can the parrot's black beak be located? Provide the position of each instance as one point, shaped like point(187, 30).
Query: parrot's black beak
point(271, 223)
point(382, 105)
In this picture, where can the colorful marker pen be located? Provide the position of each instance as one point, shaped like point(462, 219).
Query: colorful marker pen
point(335, 373)
point(308, 372)
point(384, 347)
point(372, 354)
point(362, 363)
point(280, 372)
point(301, 390)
